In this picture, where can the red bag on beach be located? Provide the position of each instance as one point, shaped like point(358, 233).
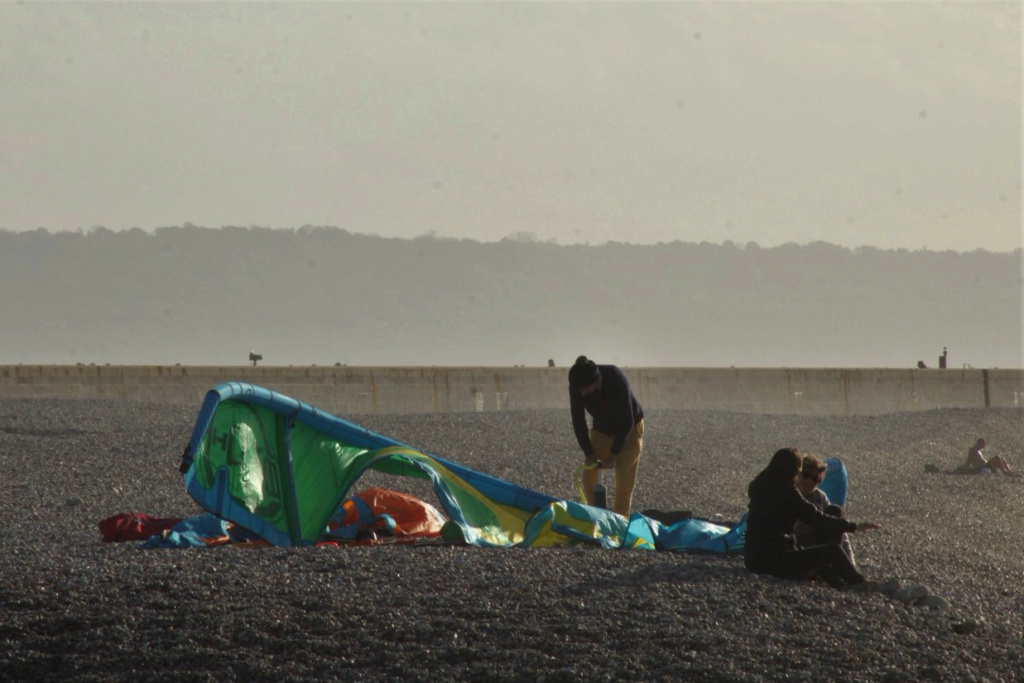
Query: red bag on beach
point(132, 526)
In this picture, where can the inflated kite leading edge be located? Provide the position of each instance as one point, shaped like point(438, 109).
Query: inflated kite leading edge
point(280, 468)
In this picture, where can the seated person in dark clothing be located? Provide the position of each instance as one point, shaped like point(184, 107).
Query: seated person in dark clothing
point(770, 547)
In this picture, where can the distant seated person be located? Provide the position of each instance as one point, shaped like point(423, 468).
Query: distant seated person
point(811, 473)
point(978, 464)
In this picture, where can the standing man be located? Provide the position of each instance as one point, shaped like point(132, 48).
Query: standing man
point(617, 437)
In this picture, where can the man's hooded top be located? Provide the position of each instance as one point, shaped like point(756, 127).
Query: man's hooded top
point(613, 406)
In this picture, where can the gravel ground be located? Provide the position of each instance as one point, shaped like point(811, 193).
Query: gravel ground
point(76, 609)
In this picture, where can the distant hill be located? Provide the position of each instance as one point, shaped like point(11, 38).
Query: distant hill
point(322, 296)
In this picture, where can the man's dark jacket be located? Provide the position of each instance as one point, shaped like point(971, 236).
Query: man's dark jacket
point(613, 406)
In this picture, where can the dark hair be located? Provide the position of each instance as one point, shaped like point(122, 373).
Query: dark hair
point(583, 373)
point(786, 463)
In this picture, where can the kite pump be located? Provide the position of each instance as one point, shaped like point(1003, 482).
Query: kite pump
point(600, 496)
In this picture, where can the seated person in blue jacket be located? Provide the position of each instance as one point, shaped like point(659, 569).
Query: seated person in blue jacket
point(770, 546)
point(617, 437)
point(811, 474)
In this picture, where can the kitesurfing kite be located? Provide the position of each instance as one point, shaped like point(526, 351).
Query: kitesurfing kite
point(269, 467)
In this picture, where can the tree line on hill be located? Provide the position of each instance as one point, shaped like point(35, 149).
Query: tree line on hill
point(319, 295)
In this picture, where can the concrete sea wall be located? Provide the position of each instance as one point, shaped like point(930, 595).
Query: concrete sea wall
point(359, 390)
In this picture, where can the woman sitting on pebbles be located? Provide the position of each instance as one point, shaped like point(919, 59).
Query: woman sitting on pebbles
point(977, 463)
point(770, 548)
point(811, 475)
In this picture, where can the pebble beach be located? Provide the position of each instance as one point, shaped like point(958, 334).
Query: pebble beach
point(77, 609)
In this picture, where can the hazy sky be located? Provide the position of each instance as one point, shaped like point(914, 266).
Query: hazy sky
point(894, 124)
